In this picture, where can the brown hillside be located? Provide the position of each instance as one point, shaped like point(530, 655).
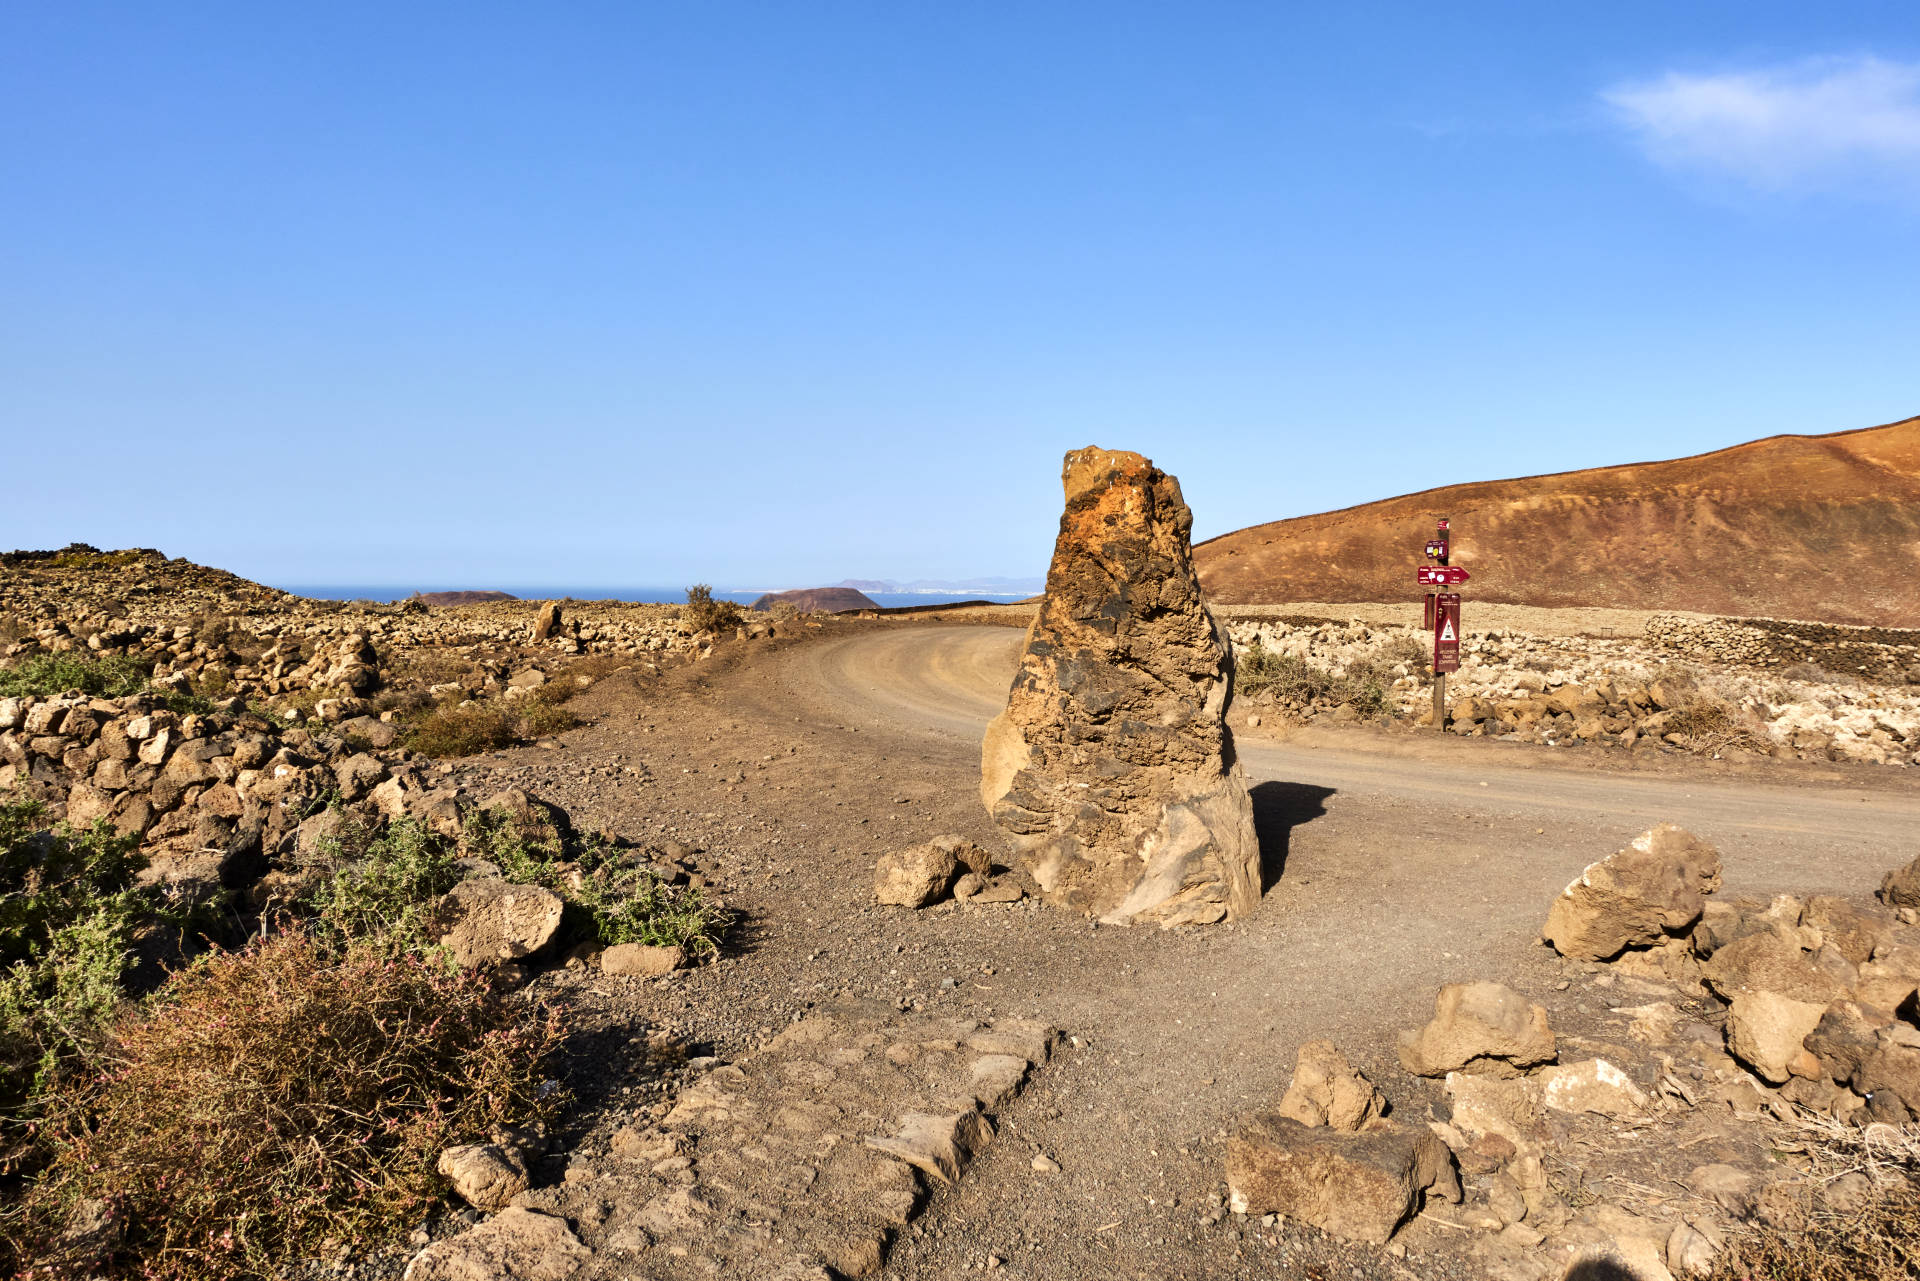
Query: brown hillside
point(1813, 527)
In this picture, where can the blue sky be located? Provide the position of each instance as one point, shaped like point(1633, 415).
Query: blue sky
point(775, 294)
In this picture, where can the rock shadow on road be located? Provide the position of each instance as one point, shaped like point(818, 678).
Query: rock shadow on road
point(1278, 808)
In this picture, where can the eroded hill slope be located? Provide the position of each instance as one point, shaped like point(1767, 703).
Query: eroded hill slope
point(1818, 527)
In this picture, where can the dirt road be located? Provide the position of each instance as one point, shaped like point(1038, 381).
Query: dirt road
point(1395, 863)
point(1816, 837)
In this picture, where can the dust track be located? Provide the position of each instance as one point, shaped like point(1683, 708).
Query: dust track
point(1813, 837)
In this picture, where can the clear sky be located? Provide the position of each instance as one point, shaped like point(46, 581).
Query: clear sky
point(775, 294)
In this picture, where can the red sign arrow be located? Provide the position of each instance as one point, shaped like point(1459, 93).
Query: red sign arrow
point(1441, 575)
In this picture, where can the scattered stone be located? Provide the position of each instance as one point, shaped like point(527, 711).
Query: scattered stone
point(642, 960)
point(1901, 888)
point(1044, 1164)
point(1855, 932)
point(1479, 1028)
point(1505, 1109)
point(1766, 1031)
point(1358, 1186)
point(1771, 961)
point(1635, 897)
point(516, 1244)
point(1112, 767)
point(1326, 1090)
point(484, 1175)
point(1727, 1187)
point(491, 920)
point(1595, 1086)
point(920, 875)
point(1689, 1252)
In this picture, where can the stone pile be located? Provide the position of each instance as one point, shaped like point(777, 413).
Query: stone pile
point(1604, 691)
point(1112, 770)
point(1735, 1021)
point(801, 1161)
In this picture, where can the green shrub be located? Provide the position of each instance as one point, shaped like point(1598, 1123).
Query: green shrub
point(101, 675)
point(272, 1103)
point(710, 615)
point(68, 910)
point(387, 885)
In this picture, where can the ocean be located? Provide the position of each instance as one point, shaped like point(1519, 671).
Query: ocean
point(668, 595)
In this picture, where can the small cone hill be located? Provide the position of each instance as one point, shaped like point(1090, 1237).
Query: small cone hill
point(1808, 527)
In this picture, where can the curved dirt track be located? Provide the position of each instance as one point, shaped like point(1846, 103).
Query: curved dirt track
point(1809, 836)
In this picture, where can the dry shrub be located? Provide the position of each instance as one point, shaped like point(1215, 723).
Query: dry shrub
point(1878, 1241)
point(272, 1100)
point(1290, 678)
point(1712, 725)
point(462, 729)
point(705, 614)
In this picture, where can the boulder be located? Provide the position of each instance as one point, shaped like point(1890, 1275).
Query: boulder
point(1845, 1038)
point(1771, 960)
point(1766, 1031)
point(491, 920)
point(1358, 1186)
point(1855, 932)
point(1326, 1090)
point(1637, 896)
point(1112, 768)
point(642, 960)
point(1901, 888)
point(546, 624)
point(1481, 1029)
point(920, 875)
point(484, 1175)
point(520, 1244)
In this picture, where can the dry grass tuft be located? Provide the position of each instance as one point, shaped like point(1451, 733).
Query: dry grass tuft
point(1876, 1240)
point(272, 1100)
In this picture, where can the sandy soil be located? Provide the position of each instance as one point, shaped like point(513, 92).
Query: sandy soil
point(1395, 862)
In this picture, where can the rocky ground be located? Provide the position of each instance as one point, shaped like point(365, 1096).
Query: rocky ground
point(777, 767)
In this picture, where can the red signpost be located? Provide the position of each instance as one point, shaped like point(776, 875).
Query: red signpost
point(1442, 615)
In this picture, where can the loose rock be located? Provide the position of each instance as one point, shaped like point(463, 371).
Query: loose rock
point(1479, 1028)
point(1634, 897)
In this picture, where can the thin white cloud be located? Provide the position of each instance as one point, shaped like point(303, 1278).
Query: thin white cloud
point(1820, 123)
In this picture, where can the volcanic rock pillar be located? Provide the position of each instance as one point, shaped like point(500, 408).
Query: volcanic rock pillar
point(1112, 768)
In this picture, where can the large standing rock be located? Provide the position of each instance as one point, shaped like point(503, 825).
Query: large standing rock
point(1634, 897)
point(1359, 1186)
point(546, 624)
point(1112, 768)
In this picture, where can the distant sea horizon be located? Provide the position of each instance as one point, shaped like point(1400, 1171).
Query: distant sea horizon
point(388, 594)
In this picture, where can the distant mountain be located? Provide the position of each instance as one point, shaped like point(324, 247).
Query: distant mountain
point(818, 600)
point(1824, 528)
point(461, 598)
point(989, 586)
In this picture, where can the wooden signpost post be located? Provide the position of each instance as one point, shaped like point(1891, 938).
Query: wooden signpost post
point(1442, 616)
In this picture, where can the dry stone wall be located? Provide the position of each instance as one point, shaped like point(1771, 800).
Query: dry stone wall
point(1626, 692)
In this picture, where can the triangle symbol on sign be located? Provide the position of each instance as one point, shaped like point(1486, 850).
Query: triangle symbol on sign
point(1446, 630)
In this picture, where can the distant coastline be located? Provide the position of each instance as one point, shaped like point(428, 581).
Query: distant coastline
point(387, 594)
